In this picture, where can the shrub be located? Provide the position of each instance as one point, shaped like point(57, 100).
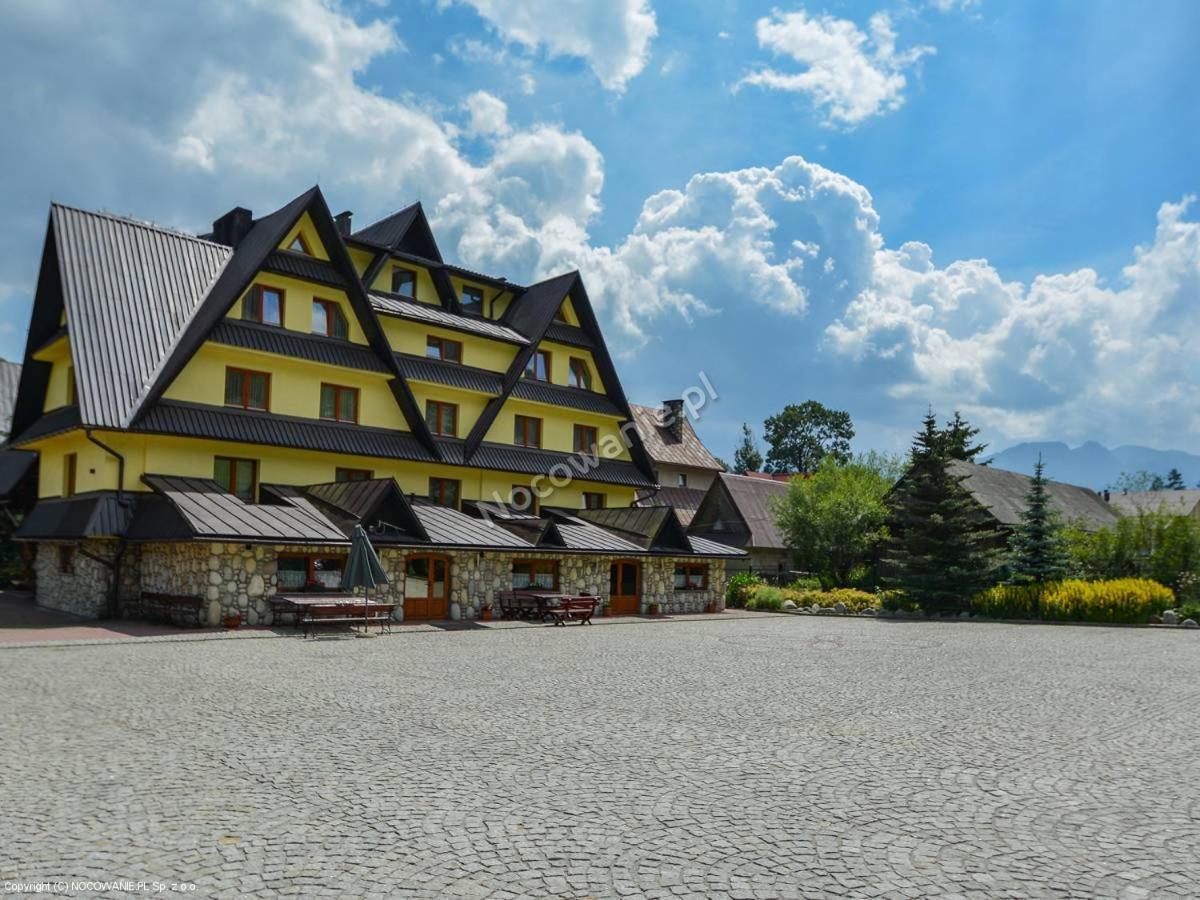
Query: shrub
point(805, 583)
point(763, 596)
point(856, 601)
point(1190, 610)
point(896, 600)
point(738, 587)
point(1125, 600)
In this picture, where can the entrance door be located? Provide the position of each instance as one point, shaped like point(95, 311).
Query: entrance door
point(624, 587)
point(426, 587)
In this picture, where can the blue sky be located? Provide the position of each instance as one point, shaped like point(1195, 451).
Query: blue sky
point(877, 205)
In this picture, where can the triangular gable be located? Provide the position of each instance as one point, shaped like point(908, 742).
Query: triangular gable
point(655, 528)
point(377, 504)
point(264, 237)
point(302, 238)
point(406, 230)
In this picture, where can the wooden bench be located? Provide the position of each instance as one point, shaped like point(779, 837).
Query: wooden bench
point(176, 609)
point(574, 609)
point(314, 616)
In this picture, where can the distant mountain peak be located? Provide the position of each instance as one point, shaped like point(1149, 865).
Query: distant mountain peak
point(1093, 465)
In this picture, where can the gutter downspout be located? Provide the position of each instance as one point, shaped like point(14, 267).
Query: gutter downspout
point(114, 565)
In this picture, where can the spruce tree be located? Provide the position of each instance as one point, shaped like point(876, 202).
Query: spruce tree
point(747, 458)
point(941, 549)
point(1175, 480)
point(957, 439)
point(1039, 552)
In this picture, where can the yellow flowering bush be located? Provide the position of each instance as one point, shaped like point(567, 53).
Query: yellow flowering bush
point(1122, 600)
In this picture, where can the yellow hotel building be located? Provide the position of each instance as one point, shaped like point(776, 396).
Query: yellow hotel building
point(212, 415)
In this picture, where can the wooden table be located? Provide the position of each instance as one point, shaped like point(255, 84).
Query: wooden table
point(538, 605)
point(310, 610)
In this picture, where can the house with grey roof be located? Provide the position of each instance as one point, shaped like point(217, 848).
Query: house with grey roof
point(737, 510)
point(1002, 495)
point(686, 468)
point(1173, 503)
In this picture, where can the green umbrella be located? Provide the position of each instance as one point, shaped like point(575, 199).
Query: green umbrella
point(363, 569)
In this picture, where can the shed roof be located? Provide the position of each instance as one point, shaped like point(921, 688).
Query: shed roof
point(1003, 494)
point(98, 514)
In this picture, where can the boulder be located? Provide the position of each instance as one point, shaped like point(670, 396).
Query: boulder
point(840, 608)
point(789, 604)
point(1170, 617)
point(964, 615)
point(1189, 623)
point(868, 612)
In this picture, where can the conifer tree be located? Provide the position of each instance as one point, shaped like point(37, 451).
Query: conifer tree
point(1175, 480)
point(1038, 547)
point(941, 549)
point(958, 436)
point(747, 458)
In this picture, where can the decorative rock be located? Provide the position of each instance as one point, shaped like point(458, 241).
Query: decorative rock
point(1189, 623)
point(964, 615)
point(1170, 617)
point(256, 586)
point(868, 612)
point(214, 612)
point(1156, 620)
point(789, 604)
point(825, 611)
point(455, 612)
point(840, 608)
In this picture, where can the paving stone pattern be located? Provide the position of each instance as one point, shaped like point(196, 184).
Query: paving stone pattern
point(767, 757)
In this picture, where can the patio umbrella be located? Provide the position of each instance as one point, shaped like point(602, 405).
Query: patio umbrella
point(363, 569)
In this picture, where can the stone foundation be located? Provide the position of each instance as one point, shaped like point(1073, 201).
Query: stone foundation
point(241, 578)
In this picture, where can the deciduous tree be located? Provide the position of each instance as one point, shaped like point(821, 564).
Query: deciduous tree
point(802, 435)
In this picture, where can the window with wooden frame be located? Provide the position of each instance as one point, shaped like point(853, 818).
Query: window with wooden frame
point(329, 320)
point(264, 305)
point(299, 244)
point(445, 492)
point(72, 394)
point(593, 500)
point(70, 468)
point(66, 559)
point(586, 439)
point(681, 479)
point(691, 577)
point(579, 375)
point(404, 282)
point(442, 418)
point(238, 476)
point(300, 572)
point(522, 499)
point(343, 474)
point(338, 403)
point(538, 367)
point(472, 299)
point(527, 431)
point(535, 574)
point(247, 389)
point(443, 348)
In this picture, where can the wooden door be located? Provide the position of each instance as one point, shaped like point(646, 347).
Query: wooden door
point(625, 587)
point(426, 587)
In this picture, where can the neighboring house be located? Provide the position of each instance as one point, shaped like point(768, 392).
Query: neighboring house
point(1176, 503)
point(1002, 495)
point(685, 467)
point(18, 468)
point(737, 510)
point(214, 415)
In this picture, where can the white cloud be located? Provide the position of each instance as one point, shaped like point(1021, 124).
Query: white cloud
point(849, 75)
point(612, 36)
point(487, 114)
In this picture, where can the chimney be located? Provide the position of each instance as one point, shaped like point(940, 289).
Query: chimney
point(672, 420)
point(1107, 496)
point(233, 226)
point(342, 220)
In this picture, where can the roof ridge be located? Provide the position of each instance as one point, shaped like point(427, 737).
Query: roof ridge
point(140, 223)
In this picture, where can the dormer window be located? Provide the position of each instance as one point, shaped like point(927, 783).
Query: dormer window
point(579, 375)
point(404, 282)
point(472, 299)
point(299, 245)
point(561, 316)
point(443, 348)
point(264, 305)
point(329, 320)
point(538, 367)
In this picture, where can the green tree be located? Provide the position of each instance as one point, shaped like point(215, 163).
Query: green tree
point(941, 548)
point(720, 462)
point(1175, 480)
point(1038, 548)
point(833, 520)
point(1136, 482)
point(747, 458)
point(958, 438)
point(802, 435)
point(1155, 545)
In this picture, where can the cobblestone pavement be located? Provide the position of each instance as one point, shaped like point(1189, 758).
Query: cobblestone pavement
point(768, 757)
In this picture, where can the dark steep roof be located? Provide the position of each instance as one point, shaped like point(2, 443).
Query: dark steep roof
point(419, 368)
point(747, 501)
point(663, 449)
point(684, 500)
point(310, 347)
point(1002, 493)
point(10, 379)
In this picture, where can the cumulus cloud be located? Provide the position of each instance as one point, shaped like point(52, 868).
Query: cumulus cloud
point(612, 36)
point(850, 75)
point(487, 114)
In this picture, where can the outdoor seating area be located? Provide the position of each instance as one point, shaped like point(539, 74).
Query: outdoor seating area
point(312, 611)
point(173, 609)
point(547, 606)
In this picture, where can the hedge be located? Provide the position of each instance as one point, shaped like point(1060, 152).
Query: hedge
point(762, 596)
point(1124, 600)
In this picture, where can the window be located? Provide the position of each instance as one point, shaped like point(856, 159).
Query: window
point(316, 573)
point(299, 244)
point(238, 476)
point(691, 578)
point(522, 499)
point(443, 348)
point(527, 431)
point(249, 390)
point(585, 439)
point(72, 395)
point(681, 479)
point(560, 315)
point(329, 320)
point(472, 299)
point(404, 282)
point(70, 464)
point(445, 492)
point(66, 559)
point(593, 500)
point(539, 574)
point(339, 403)
point(442, 418)
point(538, 367)
point(579, 375)
point(340, 474)
point(263, 304)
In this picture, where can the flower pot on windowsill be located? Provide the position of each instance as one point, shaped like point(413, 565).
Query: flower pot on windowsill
point(232, 621)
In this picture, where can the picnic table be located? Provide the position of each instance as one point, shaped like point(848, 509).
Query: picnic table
point(543, 605)
point(312, 610)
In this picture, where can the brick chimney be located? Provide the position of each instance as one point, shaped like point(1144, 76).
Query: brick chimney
point(342, 220)
point(672, 420)
point(233, 226)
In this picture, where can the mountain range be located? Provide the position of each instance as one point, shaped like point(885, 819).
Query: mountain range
point(1094, 465)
